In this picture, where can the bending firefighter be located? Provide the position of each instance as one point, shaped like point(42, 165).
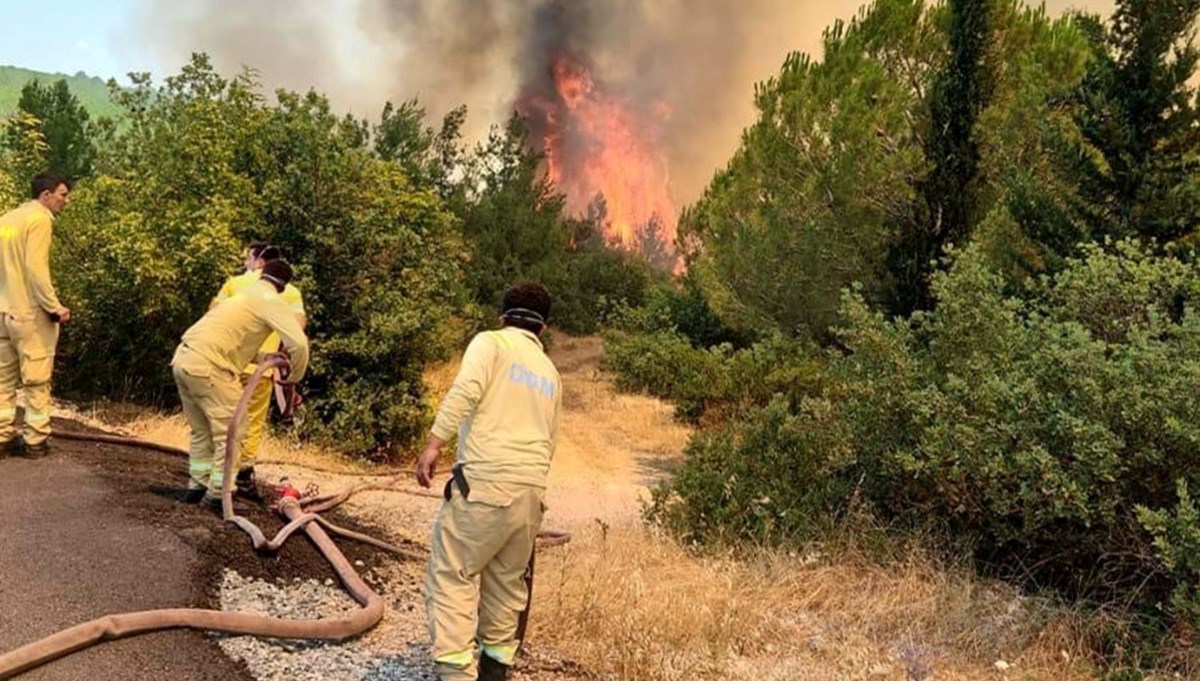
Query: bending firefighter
point(29, 314)
point(505, 406)
point(210, 359)
point(255, 426)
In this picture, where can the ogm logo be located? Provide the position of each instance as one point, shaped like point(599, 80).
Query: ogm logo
point(520, 374)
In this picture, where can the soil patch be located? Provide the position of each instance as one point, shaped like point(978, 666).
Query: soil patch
point(148, 483)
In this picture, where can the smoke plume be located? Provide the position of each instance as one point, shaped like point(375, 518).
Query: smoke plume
point(689, 64)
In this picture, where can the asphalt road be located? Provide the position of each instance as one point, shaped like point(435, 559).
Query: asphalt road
point(71, 550)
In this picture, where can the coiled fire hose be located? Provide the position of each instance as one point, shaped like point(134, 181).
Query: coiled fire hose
point(113, 627)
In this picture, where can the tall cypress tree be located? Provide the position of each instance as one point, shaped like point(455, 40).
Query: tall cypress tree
point(948, 195)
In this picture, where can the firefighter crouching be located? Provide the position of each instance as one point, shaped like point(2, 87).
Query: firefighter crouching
point(210, 358)
point(254, 428)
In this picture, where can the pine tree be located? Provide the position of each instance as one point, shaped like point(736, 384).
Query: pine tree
point(64, 125)
point(1138, 118)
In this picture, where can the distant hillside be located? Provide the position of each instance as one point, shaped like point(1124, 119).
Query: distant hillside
point(91, 92)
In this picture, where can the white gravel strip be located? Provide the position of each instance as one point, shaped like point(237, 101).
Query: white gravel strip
point(281, 660)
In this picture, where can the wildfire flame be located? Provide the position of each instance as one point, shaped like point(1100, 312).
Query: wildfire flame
point(598, 143)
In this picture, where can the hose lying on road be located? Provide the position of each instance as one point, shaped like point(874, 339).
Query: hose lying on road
point(118, 626)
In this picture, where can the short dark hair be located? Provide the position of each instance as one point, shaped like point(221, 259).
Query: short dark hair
point(269, 253)
point(278, 272)
point(46, 182)
point(256, 247)
point(526, 306)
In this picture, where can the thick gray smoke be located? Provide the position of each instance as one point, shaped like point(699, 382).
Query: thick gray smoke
point(699, 58)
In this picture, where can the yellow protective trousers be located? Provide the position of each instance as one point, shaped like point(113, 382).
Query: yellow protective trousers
point(209, 395)
point(475, 588)
point(255, 427)
point(27, 344)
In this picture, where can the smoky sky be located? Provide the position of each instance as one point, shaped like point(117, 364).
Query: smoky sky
point(698, 58)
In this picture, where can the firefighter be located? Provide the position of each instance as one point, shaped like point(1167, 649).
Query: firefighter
point(31, 314)
point(254, 429)
point(210, 358)
point(505, 407)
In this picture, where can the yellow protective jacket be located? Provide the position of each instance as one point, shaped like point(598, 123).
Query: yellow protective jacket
point(506, 407)
point(230, 334)
point(291, 296)
point(25, 235)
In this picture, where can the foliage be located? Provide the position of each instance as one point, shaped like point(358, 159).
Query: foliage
point(1177, 543)
point(427, 157)
point(832, 185)
point(949, 192)
point(65, 125)
point(677, 307)
point(1032, 427)
point(593, 282)
point(1136, 162)
point(383, 260)
point(204, 164)
point(22, 156)
point(514, 221)
point(512, 217)
point(806, 205)
point(711, 383)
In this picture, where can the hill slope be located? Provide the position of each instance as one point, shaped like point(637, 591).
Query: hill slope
point(92, 92)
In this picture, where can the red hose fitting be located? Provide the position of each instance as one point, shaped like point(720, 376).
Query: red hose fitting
point(287, 490)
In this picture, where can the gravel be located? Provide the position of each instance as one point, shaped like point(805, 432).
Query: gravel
point(274, 659)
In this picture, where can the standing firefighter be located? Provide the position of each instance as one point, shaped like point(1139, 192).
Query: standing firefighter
point(209, 360)
point(505, 406)
point(31, 314)
point(255, 426)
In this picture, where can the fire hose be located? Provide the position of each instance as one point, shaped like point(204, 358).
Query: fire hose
point(113, 627)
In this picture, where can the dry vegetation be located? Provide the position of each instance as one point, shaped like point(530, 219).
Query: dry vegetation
point(625, 602)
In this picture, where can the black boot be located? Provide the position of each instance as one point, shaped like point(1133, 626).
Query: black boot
point(36, 451)
point(247, 485)
point(193, 496)
point(491, 670)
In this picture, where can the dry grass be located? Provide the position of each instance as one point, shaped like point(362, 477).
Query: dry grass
point(636, 605)
point(629, 603)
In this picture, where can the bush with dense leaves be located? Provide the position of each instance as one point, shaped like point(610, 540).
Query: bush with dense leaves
point(593, 282)
point(203, 164)
point(1035, 429)
point(711, 383)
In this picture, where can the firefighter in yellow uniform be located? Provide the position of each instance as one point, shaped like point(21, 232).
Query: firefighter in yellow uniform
point(505, 407)
point(255, 427)
point(30, 313)
point(209, 360)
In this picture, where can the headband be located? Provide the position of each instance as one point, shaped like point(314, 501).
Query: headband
point(525, 314)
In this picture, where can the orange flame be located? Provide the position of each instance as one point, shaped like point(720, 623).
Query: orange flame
point(598, 143)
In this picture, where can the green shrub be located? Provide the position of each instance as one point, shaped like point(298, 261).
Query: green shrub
point(778, 474)
point(202, 166)
point(1177, 544)
point(593, 283)
point(715, 382)
point(1031, 428)
point(665, 364)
